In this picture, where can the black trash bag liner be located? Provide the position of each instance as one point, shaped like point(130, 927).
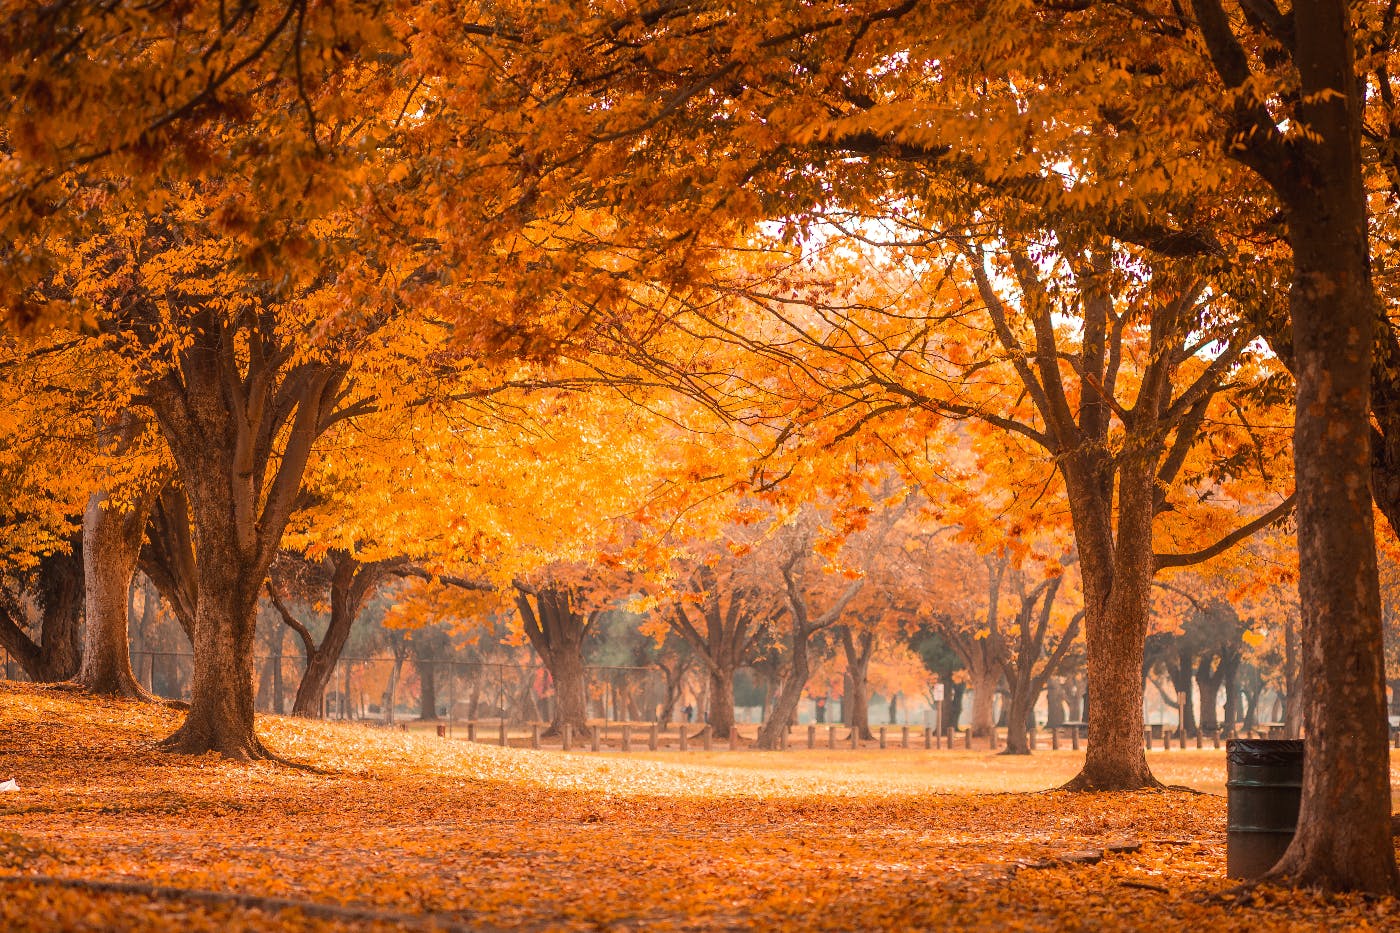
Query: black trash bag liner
point(1264, 752)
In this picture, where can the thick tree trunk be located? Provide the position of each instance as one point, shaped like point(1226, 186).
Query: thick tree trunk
point(111, 548)
point(570, 690)
point(427, 691)
point(721, 701)
point(983, 685)
point(1018, 713)
point(1343, 840)
point(220, 717)
point(556, 626)
point(57, 653)
point(1116, 570)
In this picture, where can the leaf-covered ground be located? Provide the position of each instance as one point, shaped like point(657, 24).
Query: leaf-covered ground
point(407, 831)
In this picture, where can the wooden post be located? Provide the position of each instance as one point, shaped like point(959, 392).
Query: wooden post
point(830, 736)
point(709, 733)
point(882, 736)
point(1054, 738)
point(1032, 738)
point(471, 731)
point(992, 739)
point(928, 737)
point(626, 737)
point(811, 736)
point(683, 742)
point(1074, 738)
point(594, 738)
point(566, 737)
point(1198, 739)
point(504, 741)
point(1181, 737)
point(903, 736)
point(534, 735)
point(1147, 739)
point(441, 731)
point(734, 738)
point(967, 737)
point(651, 739)
point(1215, 738)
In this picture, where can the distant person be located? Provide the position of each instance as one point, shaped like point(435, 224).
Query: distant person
point(821, 709)
point(689, 712)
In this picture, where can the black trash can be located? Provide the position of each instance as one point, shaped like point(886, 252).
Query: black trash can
point(1265, 783)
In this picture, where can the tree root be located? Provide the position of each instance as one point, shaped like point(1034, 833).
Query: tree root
point(1081, 784)
point(254, 902)
point(181, 743)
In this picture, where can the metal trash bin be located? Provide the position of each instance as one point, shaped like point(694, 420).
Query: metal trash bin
point(1264, 784)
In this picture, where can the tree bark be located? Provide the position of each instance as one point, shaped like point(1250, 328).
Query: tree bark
point(351, 584)
point(221, 713)
point(721, 701)
point(983, 679)
point(1343, 840)
point(57, 653)
point(427, 691)
point(111, 547)
point(1116, 571)
point(556, 627)
point(859, 650)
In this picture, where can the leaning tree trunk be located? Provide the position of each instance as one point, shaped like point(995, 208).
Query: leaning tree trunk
point(111, 547)
point(794, 682)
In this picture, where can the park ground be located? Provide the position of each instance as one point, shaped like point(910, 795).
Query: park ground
point(405, 831)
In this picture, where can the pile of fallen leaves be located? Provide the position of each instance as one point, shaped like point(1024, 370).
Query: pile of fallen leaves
point(401, 831)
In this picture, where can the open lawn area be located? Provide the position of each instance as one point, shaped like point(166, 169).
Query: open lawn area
point(407, 831)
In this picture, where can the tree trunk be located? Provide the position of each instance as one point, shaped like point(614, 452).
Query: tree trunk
point(858, 650)
point(556, 627)
point(1018, 712)
point(570, 690)
point(1181, 674)
point(57, 654)
point(427, 691)
point(1116, 570)
point(1343, 840)
point(789, 693)
point(983, 685)
point(278, 688)
point(721, 701)
point(1055, 703)
point(220, 717)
